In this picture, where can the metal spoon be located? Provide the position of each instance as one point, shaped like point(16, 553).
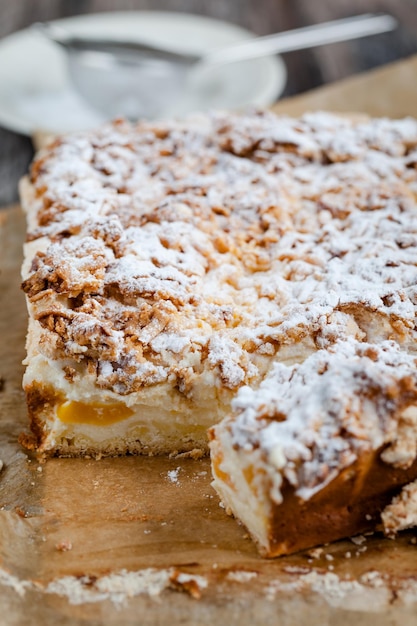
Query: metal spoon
point(298, 39)
point(143, 79)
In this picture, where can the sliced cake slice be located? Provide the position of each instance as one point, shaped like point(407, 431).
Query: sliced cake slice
point(318, 451)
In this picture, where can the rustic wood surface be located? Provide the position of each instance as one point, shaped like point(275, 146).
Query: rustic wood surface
point(87, 518)
point(307, 69)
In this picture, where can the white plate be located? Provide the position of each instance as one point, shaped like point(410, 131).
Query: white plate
point(36, 93)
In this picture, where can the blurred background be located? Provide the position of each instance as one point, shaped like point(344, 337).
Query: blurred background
point(306, 69)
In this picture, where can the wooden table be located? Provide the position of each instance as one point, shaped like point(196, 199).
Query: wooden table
point(307, 69)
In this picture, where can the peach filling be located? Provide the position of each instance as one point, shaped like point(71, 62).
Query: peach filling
point(72, 412)
point(217, 471)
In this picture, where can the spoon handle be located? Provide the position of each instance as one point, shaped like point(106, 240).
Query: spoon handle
point(287, 41)
point(302, 38)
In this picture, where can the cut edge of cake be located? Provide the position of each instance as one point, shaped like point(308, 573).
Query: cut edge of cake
point(321, 448)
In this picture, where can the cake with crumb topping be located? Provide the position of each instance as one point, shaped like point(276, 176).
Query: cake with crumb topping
point(251, 267)
point(321, 447)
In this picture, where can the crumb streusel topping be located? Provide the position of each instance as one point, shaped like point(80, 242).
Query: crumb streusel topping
point(307, 422)
point(217, 245)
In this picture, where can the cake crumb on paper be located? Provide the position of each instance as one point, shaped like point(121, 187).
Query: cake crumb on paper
point(63, 546)
point(358, 540)
point(188, 583)
point(402, 512)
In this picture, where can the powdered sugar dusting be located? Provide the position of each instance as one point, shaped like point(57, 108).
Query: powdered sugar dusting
point(123, 586)
point(118, 587)
point(314, 419)
point(173, 475)
point(211, 244)
point(369, 593)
